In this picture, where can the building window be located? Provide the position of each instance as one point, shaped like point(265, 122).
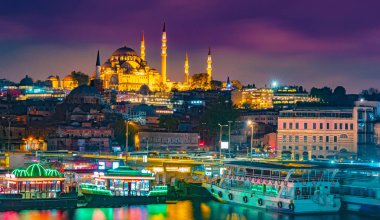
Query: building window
point(327, 138)
point(304, 138)
point(290, 125)
point(284, 125)
point(296, 147)
point(320, 125)
point(296, 139)
point(320, 138)
point(314, 126)
point(335, 126)
point(284, 138)
point(327, 147)
point(320, 148)
point(314, 148)
point(327, 126)
point(305, 148)
point(340, 126)
point(284, 147)
point(297, 125)
point(351, 126)
point(335, 139)
point(290, 138)
point(304, 125)
point(335, 148)
point(314, 139)
point(346, 126)
point(290, 147)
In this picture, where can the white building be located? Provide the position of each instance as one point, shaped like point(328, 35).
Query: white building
point(325, 133)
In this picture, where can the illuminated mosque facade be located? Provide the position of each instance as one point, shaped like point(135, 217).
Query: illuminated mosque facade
point(126, 70)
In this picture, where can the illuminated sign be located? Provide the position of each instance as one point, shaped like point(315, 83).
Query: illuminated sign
point(224, 145)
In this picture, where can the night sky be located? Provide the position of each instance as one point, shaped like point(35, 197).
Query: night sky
point(309, 43)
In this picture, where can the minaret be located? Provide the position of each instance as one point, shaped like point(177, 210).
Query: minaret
point(228, 83)
point(163, 55)
point(209, 68)
point(97, 76)
point(186, 69)
point(142, 47)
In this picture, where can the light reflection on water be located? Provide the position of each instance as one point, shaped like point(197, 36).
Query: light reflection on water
point(185, 210)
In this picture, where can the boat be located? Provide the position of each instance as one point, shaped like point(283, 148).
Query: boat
point(122, 186)
point(278, 186)
point(360, 190)
point(36, 187)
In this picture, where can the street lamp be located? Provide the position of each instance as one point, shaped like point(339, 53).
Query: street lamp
point(126, 139)
point(251, 123)
point(9, 119)
point(220, 140)
point(229, 137)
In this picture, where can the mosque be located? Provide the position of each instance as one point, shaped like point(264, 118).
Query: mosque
point(126, 70)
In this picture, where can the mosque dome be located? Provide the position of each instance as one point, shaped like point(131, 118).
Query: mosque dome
point(27, 81)
point(124, 51)
point(84, 94)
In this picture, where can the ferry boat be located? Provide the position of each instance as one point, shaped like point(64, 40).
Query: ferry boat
point(360, 190)
point(122, 186)
point(282, 187)
point(36, 187)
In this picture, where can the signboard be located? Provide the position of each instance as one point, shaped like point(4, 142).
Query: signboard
point(224, 145)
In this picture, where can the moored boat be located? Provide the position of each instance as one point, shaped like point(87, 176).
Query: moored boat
point(36, 188)
point(290, 188)
point(122, 186)
point(360, 190)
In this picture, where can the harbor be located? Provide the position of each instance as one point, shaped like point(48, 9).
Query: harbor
point(288, 187)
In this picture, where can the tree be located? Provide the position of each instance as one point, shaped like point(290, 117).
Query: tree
point(237, 84)
point(339, 91)
point(324, 94)
point(219, 111)
point(215, 84)
point(120, 132)
point(169, 122)
point(199, 81)
point(80, 77)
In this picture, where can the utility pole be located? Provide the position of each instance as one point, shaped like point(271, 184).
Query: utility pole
point(251, 123)
point(229, 137)
point(126, 139)
point(220, 140)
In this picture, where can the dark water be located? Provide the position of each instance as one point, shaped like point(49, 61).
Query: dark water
point(185, 210)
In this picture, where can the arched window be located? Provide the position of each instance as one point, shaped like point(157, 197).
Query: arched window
point(321, 156)
point(343, 136)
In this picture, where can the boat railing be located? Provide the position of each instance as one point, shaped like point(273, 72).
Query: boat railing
point(291, 179)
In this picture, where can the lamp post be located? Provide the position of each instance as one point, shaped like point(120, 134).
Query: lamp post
point(126, 138)
point(9, 119)
point(229, 137)
point(220, 140)
point(251, 123)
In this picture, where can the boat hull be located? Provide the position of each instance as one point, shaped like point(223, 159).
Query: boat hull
point(276, 204)
point(368, 206)
point(9, 204)
point(94, 201)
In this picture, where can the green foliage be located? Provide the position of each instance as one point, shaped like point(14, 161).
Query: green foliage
point(215, 84)
point(371, 94)
point(199, 81)
point(237, 84)
point(218, 112)
point(80, 77)
point(330, 98)
point(120, 132)
point(169, 122)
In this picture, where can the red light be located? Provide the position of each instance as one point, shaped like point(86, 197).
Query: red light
point(201, 143)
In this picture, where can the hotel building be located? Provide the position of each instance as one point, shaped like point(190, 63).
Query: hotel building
point(305, 134)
